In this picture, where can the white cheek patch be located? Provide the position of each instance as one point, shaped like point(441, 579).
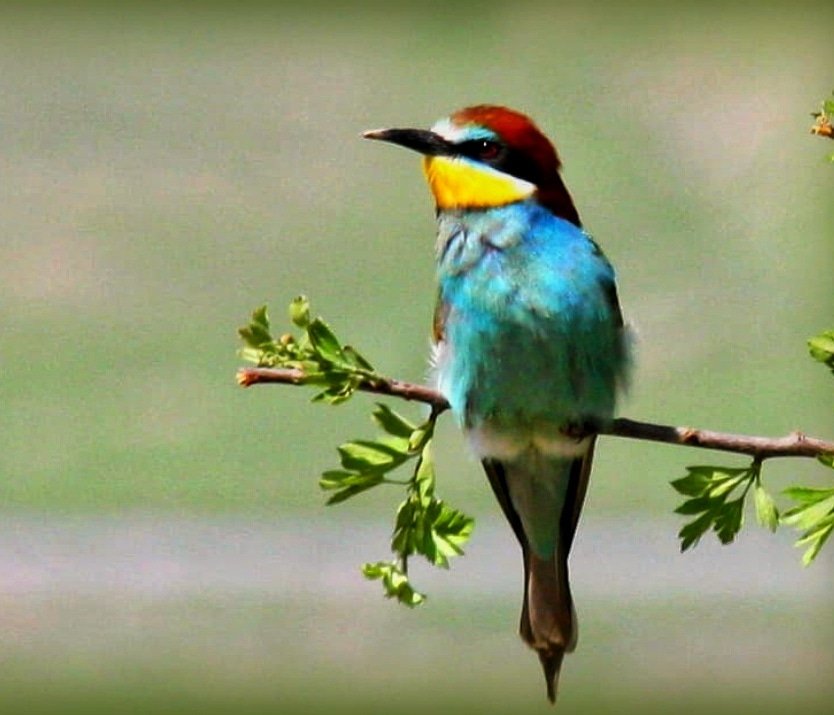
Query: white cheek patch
point(449, 131)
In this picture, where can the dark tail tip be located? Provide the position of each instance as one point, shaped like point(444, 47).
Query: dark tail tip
point(551, 665)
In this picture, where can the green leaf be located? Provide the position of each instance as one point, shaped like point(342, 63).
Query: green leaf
point(821, 348)
point(697, 505)
point(814, 514)
point(300, 311)
point(420, 436)
point(812, 534)
point(392, 422)
point(729, 519)
point(352, 491)
point(816, 538)
point(375, 570)
point(350, 483)
point(692, 532)
point(259, 345)
point(367, 455)
point(424, 478)
point(325, 343)
point(807, 495)
point(450, 530)
point(709, 488)
point(806, 516)
point(723, 486)
point(257, 334)
point(827, 460)
point(251, 354)
point(703, 478)
point(394, 581)
point(335, 479)
point(693, 484)
point(766, 512)
point(354, 358)
point(402, 540)
point(340, 386)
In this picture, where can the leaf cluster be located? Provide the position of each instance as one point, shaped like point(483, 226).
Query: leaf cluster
point(813, 515)
point(317, 353)
point(716, 494)
point(425, 525)
point(716, 497)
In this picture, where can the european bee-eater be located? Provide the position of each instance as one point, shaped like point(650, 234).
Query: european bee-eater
point(530, 347)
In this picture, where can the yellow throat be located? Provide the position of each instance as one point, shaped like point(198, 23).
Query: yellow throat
point(458, 183)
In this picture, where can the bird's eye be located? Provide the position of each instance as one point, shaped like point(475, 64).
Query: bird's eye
point(488, 149)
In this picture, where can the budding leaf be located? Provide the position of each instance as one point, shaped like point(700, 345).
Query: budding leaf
point(766, 512)
point(257, 332)
point(300, 311)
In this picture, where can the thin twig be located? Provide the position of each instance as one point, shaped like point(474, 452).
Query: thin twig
point(823, 127)
point(795, 444)
point(249, 376)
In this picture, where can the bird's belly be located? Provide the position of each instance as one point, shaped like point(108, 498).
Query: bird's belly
point(516, 378)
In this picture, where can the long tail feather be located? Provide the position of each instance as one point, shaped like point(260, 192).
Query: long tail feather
point(548, 619)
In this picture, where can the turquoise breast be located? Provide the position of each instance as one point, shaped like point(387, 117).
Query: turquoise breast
point(532, 331)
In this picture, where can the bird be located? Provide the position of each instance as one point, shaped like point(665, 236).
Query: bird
point(529, 343)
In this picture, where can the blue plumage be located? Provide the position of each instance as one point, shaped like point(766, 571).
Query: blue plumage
point(532, 335)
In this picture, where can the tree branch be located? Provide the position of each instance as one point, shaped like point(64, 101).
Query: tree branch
point(795, 444)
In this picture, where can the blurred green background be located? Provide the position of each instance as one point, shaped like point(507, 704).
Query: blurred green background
point(165, 171)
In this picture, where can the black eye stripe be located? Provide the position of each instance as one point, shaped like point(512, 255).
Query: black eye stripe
point(501, 157)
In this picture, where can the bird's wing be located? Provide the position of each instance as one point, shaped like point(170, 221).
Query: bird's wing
point(575, 497)
point(498, 481)
point(441, 312)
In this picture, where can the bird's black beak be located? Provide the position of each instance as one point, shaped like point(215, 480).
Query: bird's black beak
point(420, 140)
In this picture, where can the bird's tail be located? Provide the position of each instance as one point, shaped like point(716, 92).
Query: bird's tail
point(548, 619)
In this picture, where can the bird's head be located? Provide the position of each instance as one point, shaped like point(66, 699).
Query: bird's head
point(485, 156)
